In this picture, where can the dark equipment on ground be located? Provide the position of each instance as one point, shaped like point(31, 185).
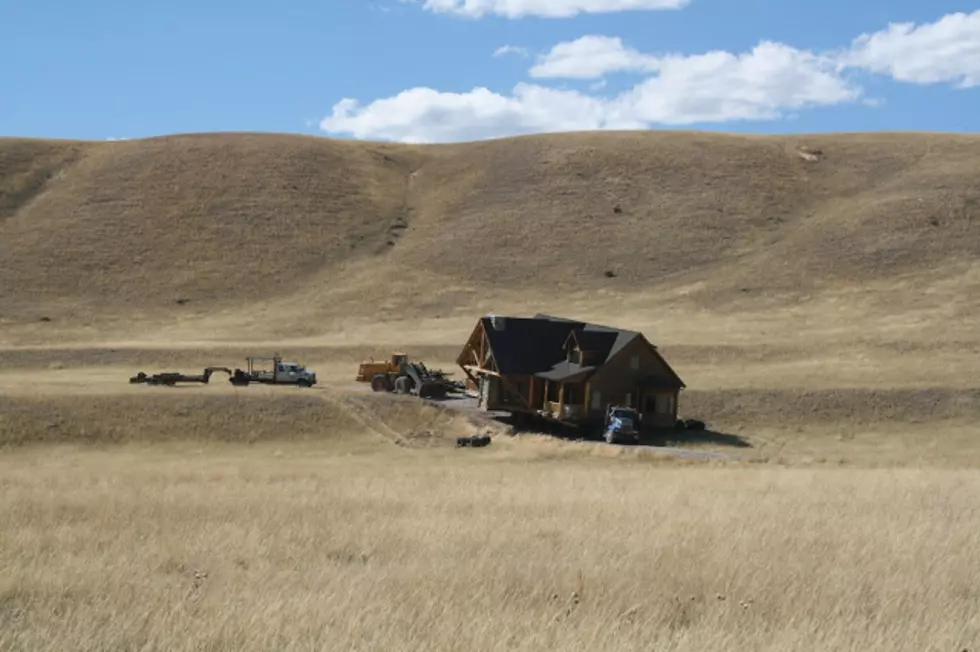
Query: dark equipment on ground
point(402, 376)
point(473, 442)
point(171, 378)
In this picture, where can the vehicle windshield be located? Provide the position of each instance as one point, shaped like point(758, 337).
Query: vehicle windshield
point(623, 414)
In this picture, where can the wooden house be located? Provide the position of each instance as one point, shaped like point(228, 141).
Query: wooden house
point(568, 370)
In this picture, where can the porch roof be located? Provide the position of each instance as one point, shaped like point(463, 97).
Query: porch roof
point(566, 371)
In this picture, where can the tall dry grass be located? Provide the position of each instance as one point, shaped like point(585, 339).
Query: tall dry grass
point(299, 549)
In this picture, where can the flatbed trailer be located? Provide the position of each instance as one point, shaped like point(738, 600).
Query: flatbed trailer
point(171, 378)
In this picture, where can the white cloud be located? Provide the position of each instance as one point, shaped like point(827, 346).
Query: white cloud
point(712, 87)
point(722, 87)
point(590, 57)
point(947, 50)
point(766, 83)
point(545, 8)
point(425, 115)
point(510, 49)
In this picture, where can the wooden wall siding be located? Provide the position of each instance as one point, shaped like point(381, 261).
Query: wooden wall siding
point(617, 381)
point(514, 392)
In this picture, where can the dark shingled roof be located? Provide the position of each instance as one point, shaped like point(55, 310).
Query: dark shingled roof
point(535, 346)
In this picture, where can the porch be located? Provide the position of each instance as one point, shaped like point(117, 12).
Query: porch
point(562, 400)
point(576, 400)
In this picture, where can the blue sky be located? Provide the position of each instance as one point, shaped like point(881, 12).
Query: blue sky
point(426, 70)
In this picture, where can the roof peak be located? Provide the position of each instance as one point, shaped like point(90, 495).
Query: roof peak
point(582, 324)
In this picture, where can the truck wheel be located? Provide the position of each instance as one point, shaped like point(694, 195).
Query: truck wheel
point(303, 382)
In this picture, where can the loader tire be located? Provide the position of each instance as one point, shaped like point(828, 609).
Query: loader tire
point(403, 385)
point(381, 383)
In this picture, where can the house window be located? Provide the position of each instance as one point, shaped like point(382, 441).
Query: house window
point(650, 403)
point(576, 356)
point(574, 394)
point(596, 403)
point(635, 362)
point(665, 404)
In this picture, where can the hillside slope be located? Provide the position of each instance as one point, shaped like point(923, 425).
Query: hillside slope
point(221, 222)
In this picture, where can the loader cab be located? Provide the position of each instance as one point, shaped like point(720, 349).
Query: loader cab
point(398, 360)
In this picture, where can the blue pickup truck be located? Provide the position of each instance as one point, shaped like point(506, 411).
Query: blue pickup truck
point(622, 425)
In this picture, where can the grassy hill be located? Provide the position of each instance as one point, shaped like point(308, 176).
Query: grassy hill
point(820, 303)
point(265, 228)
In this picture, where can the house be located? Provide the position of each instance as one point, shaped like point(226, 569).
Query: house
point(567, 370)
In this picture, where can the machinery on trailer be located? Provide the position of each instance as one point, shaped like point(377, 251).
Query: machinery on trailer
point(171, 378)
point(622, 424)
point(403, 376)
point(280, 373)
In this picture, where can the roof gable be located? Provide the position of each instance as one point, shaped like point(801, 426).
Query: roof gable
point(523, 346)
point(535, 346)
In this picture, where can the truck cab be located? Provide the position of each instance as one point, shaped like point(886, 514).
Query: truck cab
point(293, 373)
point(281, 373)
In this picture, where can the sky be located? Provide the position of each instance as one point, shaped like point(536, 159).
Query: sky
point(461, 70)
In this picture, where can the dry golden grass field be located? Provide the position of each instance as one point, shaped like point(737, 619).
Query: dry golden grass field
point(822, 308)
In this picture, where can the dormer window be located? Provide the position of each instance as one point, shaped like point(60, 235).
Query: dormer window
point(575, 356)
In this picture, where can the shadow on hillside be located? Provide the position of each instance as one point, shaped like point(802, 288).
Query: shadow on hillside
point(673, 437)
point(669, 437)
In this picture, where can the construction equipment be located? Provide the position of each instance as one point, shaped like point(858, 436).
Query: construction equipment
point(281, 373)
point(171, 378)
point(622, 424)
point(405, 377)
point(368, 370)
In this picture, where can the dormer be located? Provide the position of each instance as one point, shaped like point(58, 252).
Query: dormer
point(574, 352)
